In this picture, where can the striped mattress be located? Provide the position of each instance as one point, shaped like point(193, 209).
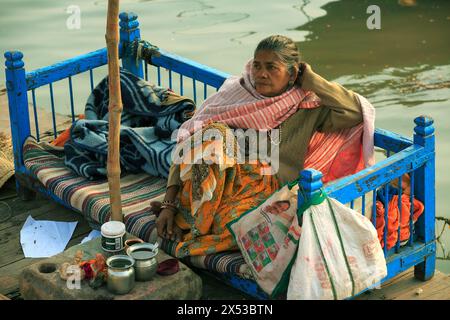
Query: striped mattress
point(91, 198)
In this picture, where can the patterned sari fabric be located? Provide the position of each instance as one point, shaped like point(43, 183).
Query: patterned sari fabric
point(214, 194)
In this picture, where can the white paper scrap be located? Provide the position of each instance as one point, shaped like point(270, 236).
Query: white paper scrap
point(43, 239)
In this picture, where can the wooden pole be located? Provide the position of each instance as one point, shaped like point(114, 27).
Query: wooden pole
point(115, 109)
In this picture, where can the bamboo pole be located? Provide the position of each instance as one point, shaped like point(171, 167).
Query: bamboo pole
point(115, 110)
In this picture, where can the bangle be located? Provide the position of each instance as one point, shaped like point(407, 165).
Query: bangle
point(169, 203)
point(171, 208)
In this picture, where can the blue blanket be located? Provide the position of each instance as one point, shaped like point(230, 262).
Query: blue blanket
point(150, 115)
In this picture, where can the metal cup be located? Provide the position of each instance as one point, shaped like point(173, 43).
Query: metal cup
point(121, 275)
point(145, 256)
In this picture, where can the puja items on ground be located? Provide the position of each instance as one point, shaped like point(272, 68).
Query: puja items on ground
point(93, 270)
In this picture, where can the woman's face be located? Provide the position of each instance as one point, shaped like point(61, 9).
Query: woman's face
point(271, 76)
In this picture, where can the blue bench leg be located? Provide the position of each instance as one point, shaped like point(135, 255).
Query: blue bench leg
point(425, 271)
point(425, 191)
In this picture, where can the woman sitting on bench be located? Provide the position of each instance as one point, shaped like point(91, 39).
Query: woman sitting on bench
point(320, 125)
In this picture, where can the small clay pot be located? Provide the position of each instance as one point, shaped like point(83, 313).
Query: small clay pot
point(130, 242)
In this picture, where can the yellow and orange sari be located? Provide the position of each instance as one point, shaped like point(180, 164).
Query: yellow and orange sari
point(214, 194)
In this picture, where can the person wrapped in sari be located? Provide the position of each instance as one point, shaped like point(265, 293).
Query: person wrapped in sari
point(308, 122)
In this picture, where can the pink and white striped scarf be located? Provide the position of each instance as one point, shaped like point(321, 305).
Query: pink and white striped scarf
point(344, 152)
point(239, 105)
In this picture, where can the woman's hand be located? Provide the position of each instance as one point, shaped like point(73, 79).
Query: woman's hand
point(301, 71)
point(166, 227)
point(165, 223)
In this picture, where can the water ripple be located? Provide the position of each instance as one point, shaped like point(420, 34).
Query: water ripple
point(409, 86)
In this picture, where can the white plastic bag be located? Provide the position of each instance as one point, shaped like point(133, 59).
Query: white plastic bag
point(268, 238)
point(339, 254)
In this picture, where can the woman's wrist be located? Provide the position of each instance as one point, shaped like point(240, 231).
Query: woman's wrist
point(170, 204)
point(311, 81)
point(174, 210)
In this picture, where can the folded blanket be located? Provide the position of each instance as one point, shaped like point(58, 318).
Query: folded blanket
point(150, 115)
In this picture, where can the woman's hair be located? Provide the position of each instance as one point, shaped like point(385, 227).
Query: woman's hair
point(285, 48)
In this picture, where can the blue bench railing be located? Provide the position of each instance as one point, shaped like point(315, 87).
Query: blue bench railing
point(404, 156)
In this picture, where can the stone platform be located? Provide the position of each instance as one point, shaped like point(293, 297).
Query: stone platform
point(41, 281)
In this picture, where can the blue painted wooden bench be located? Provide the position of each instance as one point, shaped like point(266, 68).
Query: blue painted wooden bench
point(415, 157)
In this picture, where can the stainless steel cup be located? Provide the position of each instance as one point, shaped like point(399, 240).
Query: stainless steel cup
point(121, 274)
point(145, 256)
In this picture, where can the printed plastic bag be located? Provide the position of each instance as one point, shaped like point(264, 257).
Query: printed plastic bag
point(339, 254)
point(268, 238)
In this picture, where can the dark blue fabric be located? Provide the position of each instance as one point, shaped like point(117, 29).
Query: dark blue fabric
point(147, 123)
point(381, 194)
